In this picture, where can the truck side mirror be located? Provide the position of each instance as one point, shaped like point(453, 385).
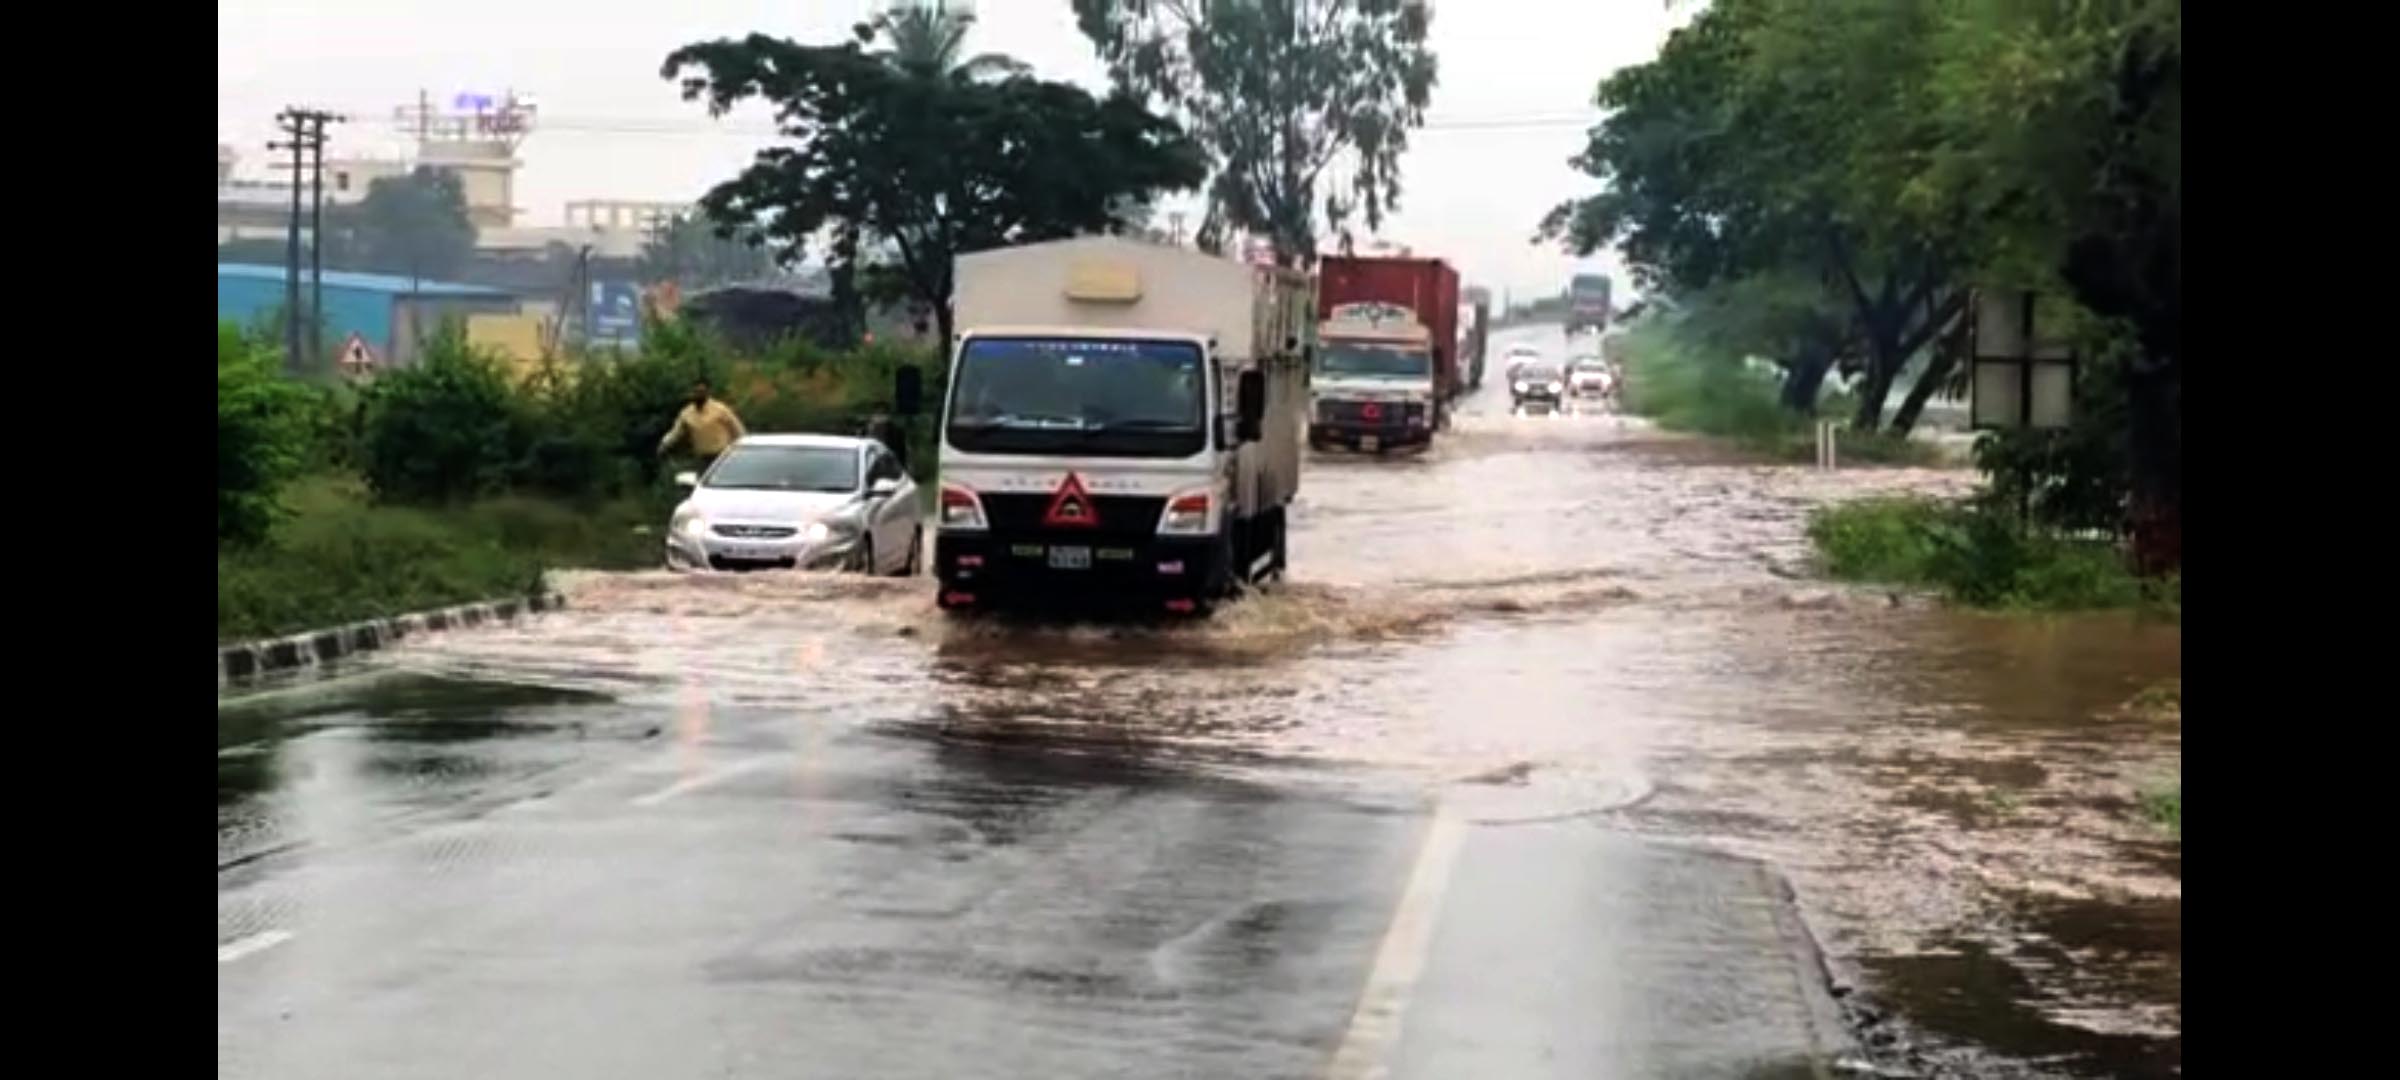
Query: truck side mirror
point(908, 390)
point(1250, 406)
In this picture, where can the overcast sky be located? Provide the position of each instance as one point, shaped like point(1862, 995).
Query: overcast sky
point(1514, 97)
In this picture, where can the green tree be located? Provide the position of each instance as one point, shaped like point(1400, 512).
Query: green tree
point(690, 252)
point(925, 37)
point(1280, 91)
point(1782, 137)
point(262, 436)
point(929, 167)
point(2066, 123)
point(414, 226)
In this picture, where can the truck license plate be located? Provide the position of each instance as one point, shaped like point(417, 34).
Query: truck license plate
point(1369, 442)
point(1070, 558)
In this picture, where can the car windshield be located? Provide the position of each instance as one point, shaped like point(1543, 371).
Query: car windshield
point(1383, 361)
point(785, 468)
point(1108, 396)
point(1537, 373)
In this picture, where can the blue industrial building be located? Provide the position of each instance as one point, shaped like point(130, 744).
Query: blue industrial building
point(391, 313)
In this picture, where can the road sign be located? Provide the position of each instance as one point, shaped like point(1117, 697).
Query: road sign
point(2022, 376)
point(1071, 508)
point(356, 358)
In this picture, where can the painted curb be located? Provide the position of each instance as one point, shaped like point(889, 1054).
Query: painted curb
point(249, 659)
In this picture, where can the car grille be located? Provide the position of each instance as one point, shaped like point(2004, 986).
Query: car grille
point(755, 532)
point(720, 562)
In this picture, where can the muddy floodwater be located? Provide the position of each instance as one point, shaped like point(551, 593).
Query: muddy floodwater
point(1541, 618)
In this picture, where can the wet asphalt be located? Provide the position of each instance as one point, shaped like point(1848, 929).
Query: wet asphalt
point(1376, 825)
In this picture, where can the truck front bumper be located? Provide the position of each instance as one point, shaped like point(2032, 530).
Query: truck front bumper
point(980, 569)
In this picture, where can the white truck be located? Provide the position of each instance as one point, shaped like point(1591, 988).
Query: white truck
point(1123, 422)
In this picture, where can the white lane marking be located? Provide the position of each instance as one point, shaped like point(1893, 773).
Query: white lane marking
point(691, 784)
point(258, 942)
point(1375, 1026)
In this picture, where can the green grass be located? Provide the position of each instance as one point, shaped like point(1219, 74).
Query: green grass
point(1979, 559)
point(1685, 388)
point(2164, 807)
point(339, 558)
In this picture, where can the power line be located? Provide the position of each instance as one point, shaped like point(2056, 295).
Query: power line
point(603, 124)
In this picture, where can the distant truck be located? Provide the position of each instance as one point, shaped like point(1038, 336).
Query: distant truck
point(1474, 334)
point(1385, 369)
point(1587, 303)
point(1123, 421)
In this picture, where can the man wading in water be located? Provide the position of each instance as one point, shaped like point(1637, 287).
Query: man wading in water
point(707, 423)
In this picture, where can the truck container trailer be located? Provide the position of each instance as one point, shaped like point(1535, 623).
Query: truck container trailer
point(1386, 366)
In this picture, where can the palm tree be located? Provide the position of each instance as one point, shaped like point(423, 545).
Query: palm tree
point(926, 37)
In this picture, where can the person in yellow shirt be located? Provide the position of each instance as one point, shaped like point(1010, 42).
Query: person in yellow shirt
point(707, 423)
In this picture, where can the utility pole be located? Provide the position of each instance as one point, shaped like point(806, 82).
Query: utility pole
point(316, 244)
point(306, 128)
point(292, 123)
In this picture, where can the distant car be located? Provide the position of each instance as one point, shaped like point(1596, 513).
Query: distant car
point(1589, 376)
point(814, 502)
point(1517, 357)
point(1538, 384)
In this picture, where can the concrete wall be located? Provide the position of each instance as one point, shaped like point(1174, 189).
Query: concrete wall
point(347, 310)
point(416, 319)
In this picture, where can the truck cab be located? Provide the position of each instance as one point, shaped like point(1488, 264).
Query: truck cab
point(1135, 444)
point(1374, 379)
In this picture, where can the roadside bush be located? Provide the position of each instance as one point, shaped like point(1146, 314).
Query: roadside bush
point(340, 557)
point(336, 421)
point(262, 436)
point(1686, 382)
point(1977, 557)
point(1687, 387)
point(450, 427)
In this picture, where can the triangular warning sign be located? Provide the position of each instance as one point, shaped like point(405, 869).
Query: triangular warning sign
point(1071, 508)
point(355, 354)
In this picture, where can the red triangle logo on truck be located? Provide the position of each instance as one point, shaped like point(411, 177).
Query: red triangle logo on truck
point(1071, 507)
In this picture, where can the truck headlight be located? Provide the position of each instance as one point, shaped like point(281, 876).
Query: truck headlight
point(961, 509)
point(1186, 515)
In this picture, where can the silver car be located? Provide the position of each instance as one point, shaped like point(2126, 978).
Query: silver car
point(814, 502)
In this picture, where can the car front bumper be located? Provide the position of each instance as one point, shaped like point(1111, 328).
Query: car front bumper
point(712, 552)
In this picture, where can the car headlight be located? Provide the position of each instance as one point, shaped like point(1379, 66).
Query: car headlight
point(816, 532)
point(1554, 388)
point(691, 525)
point(1522, 386)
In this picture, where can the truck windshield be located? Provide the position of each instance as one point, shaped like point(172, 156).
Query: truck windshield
point(1121, 397)
point(1387, 361)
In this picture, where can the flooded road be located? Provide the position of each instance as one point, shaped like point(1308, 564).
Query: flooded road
point(1547, 761)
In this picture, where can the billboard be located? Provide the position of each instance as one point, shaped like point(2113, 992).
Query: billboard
point(615, 315)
